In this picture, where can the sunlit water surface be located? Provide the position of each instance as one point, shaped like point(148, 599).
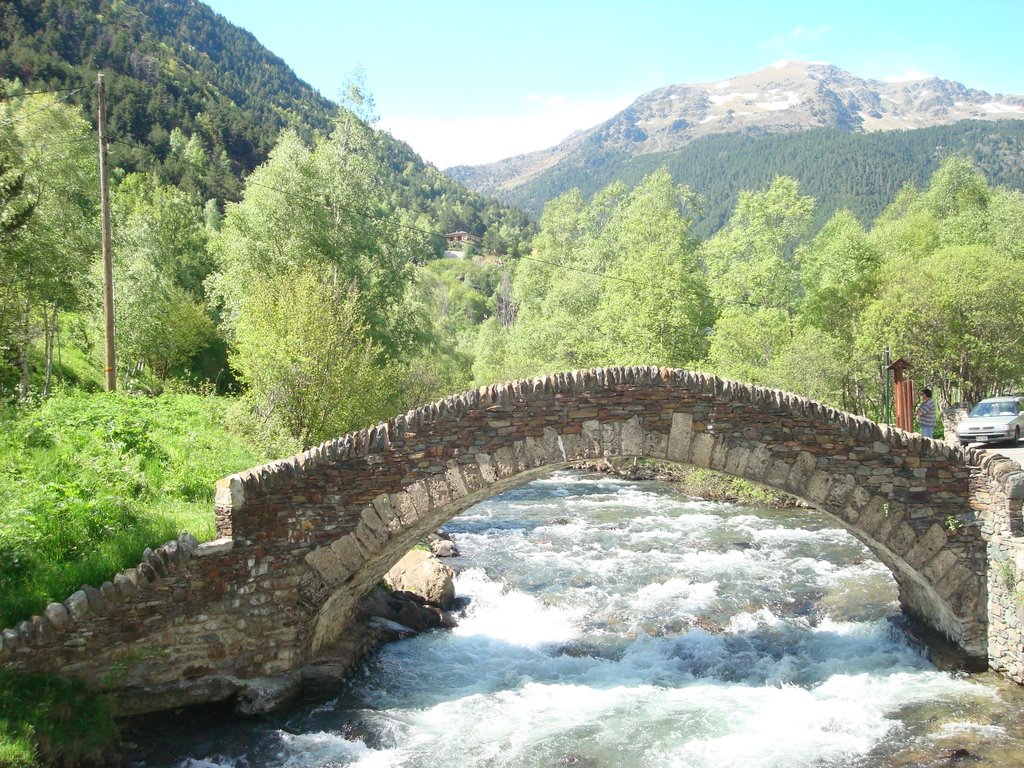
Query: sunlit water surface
point(609, 623)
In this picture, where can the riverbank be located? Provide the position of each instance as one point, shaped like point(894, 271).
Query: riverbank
point(694, 481)
point(50, 721)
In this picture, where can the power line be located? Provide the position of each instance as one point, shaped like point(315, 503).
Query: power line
point(6, 96)
point(605, 275)
point(388, 220)
point(44, 145)
point(360, 214)
point(129, 144)
point(385, 219)
point(53, 103)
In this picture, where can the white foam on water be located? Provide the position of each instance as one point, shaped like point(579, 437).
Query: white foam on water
point(323, 748)
point(756, 620)
point(510, 616)
point(563, 478)
point(674, 598)
point(896, 688)
point(715, 562)
point(675, 525)
point(709, 724)
point(792, 535)
point(952, 729)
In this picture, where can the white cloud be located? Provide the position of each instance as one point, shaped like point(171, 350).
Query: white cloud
point(785, 41)
point(907, 76)
point(809, 33)
point(476, 139)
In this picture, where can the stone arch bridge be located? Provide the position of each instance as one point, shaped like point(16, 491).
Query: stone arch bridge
point(302, 539)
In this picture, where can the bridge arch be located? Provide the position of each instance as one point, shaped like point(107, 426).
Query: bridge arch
point(902, 495)
point(302, 539)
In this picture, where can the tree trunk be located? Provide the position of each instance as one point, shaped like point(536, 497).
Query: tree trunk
point(49, 331)
point(506, 306)
point(25, 330)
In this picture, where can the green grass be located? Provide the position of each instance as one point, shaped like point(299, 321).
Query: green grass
point(709, 484)
point(50, 721)
point(87, 481)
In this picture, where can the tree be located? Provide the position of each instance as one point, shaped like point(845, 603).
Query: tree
point(16, 209)
point(306, 358)
point(164, 225)
point(749, 262)
point(612, 281)
point(746, 341)
point(160, 242)
point(658, 311)
point(16, 206)
point(838, 274)
point(953, 315)
point(957, 208)
point(47, 269)
point(557, 290)
point(322, 209)
point(755, 281)
point(1006, 222)
point(316, 281)
point(958, 198)
point(839, 277)
point(159, 324)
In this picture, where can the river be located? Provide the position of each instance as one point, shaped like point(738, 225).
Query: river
point(610, 623)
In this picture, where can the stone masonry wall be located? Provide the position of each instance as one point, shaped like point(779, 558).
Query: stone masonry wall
point(303, 538)
point(998, 495)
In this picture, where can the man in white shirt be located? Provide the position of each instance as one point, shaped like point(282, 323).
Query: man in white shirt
point(926, 413)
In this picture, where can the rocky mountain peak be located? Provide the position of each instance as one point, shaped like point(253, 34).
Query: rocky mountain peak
point(786, 96)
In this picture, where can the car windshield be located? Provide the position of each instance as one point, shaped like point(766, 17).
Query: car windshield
point(1006, 408)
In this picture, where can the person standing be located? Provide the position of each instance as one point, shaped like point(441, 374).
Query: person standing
point(926, 413)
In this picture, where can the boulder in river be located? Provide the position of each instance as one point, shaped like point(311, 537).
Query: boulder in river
point(441, 544)
point(423, 574)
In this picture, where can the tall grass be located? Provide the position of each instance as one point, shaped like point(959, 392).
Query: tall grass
point(87, 481)
point(46, 720)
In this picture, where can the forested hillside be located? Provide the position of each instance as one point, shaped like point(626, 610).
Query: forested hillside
point(857, 171)
point(201, 102)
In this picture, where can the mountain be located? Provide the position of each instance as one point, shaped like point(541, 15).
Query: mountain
point(860, 172)
point(786, 97)
point(176, 65)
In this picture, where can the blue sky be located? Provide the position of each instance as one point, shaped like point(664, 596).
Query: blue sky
point(472, 82)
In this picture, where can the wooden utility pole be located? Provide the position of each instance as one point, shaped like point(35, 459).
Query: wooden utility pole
point(108, 259)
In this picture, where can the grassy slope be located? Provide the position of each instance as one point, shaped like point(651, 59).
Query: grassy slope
point(49, 721)
point(90, 480)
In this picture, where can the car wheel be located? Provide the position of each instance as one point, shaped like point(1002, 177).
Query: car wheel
point(964, 442)
point(1016, 436)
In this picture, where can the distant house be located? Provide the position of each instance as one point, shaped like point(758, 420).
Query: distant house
point(460, 238)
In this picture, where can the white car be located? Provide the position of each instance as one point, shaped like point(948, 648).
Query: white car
point(993, 420)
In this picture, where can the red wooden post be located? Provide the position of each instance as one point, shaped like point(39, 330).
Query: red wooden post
point(904, 395)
